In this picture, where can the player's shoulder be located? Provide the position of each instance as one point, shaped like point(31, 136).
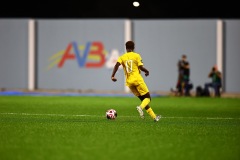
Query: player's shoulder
point(135, 53)
point(131, 53)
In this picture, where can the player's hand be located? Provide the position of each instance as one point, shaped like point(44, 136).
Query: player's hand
point(114, 79)
point(146, 73)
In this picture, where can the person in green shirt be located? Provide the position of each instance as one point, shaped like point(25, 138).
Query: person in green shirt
point(216, 83)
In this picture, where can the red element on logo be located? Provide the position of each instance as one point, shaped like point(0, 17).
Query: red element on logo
point(66, 55)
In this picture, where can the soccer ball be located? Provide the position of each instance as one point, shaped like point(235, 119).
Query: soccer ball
point(111, 114)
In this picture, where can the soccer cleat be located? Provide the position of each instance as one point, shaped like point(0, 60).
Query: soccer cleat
point(158, 117)
point(140, 111)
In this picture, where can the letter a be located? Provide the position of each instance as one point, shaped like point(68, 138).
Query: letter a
point(67, 55)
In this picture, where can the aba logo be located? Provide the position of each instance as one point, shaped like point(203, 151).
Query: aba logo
point(91, 55)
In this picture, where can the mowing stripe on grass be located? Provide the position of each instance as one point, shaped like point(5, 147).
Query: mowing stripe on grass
point(85, 115)
point(201, 117)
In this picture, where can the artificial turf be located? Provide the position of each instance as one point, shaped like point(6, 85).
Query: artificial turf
point(69, 128)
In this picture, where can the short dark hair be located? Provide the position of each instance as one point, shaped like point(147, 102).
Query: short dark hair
point(130, 45)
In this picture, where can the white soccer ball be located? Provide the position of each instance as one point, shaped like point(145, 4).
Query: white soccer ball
point(111, 114)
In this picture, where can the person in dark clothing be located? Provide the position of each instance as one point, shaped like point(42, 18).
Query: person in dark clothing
point(179, 90)
point(184, 76)
point(216, 83)
point(183, 85)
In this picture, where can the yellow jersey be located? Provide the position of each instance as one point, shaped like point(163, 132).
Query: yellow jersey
point(130, 62)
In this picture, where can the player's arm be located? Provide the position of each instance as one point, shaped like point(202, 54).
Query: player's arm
point(144, 70)
point(140, 66)
point(114, 71)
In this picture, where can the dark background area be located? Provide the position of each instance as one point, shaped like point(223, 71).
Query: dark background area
point(170, 9)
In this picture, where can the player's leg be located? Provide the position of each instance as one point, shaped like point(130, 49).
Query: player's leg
point(145, 105)
point(144, 95)
point(137, 94)
point(146, 99)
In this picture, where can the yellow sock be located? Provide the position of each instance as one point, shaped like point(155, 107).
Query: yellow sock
point(145, 102)
point(151, 113)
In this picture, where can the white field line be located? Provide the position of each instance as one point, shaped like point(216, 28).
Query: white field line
point(36, 114)
point(86, 115)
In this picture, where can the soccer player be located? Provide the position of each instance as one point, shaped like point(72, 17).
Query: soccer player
point(133, 65)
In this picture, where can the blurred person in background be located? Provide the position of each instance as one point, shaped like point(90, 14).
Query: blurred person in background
point(183, 85)
point(216, 83)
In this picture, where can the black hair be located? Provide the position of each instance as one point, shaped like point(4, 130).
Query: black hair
point(130, 45)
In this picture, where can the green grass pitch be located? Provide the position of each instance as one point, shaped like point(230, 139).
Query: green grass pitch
point(69, 128)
